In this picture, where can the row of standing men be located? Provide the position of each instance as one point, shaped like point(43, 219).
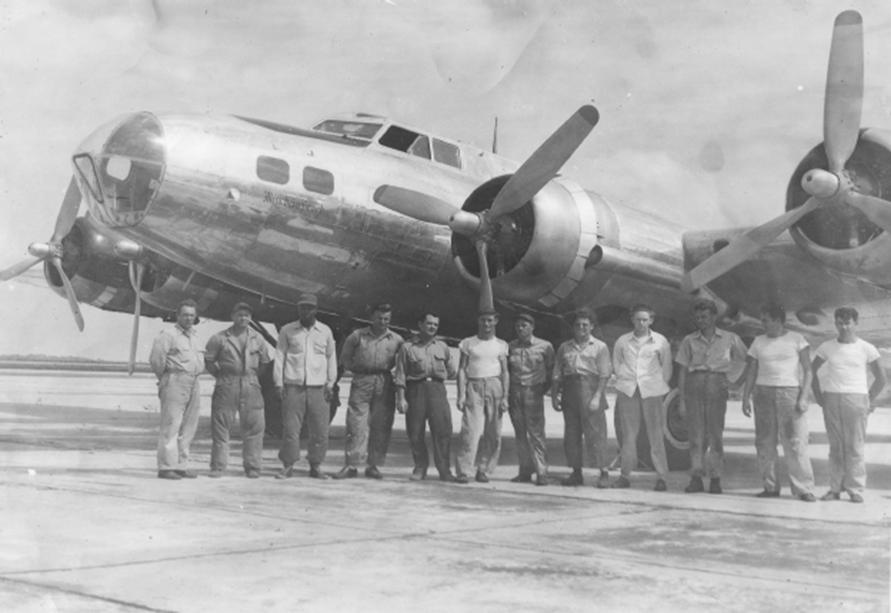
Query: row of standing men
point(493, 377)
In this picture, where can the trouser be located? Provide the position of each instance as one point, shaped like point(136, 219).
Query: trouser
point(705, 395)
point(242, 396)
point(845, 416)
point(579, 422)
point(369, 419)
point(777, 420)
point(427, 403)
point(630, 410)
point(480, 444)
point(298, 403)
point(180, 404)
point(527, 416)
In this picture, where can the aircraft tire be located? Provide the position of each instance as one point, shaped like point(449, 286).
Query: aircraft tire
point(674, 433)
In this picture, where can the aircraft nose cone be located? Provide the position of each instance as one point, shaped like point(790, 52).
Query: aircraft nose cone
point(120, 167)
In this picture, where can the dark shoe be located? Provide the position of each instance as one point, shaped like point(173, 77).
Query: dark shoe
point(807, 497)
point(830, 495)
point(855, 497)
point(541, 480)
point(215, 474)
point(602, 481)
point(481, 477)
point(418, 474)
point(347, 472)
point(660, 485)
point(169, 474)
point(187, 474)
point(522, 478)
point(372, 472)
point(573, 479)
point(316, 473)
point(285, 473)
point(462, 479)
point(252, 474)
point(714, 486)
point(447, 477)
point(695, 486)
point(768, 494)
point(621, 483)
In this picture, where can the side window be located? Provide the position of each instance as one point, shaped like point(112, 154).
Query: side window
point(318, 180)
point(273, 170)
point(446, 153)
point(406, 140)
point(421, 147)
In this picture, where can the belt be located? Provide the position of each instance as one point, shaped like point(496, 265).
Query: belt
point(370, 372)
point(708, 372)
point(300, 385)
point(579, 377)
point(425, 380)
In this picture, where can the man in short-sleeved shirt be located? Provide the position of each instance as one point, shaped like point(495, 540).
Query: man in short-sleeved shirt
point(483, 382)
point(706, 358)
point(582, 368)
point(779, 374)
point(846, 397)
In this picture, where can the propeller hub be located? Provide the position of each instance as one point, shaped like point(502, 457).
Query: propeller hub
point(127, 249)
point(465, 223)
point(820, 183)
point(43, 250)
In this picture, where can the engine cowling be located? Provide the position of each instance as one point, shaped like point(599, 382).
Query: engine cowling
point(841, 237)
point(538, 252)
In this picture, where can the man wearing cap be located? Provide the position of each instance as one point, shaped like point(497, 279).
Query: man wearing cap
point(234, 357)
point(177, 360)
point(422, 364)
point(642, 363)
point(483, 382)
point(706, 357)
point(582, 368)
point(304, 373)
point(530, 360)
point(370, 354)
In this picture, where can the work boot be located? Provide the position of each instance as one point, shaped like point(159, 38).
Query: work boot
point(372, 472)
point(481, 477)
point(447, 477)
point(215, 474)
point(541, 479)
point(807, 497)
point(252, 474)
point(418, 474)
point(285, 473)
point(187, 474)
point(522, 478)
point(695, 486)
point(573, 479)
point(714, 486)
point(621, 483)
point(830, 495)
point(169, 474)
point(855, 497)
point(768, 494)
point(660, 485)
point(316, 473)
point(462, 479)
point(347, 472)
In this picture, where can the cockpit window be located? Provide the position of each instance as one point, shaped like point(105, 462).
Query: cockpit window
point(407, 141)
point(351, 129)
point(446, 153)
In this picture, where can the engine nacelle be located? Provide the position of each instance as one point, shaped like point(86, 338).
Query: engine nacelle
point(538, 253)
point(840, 236)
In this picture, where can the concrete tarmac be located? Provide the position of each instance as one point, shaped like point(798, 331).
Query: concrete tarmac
point(87, 526)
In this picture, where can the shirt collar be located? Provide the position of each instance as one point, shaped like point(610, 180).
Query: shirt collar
point(190, 332)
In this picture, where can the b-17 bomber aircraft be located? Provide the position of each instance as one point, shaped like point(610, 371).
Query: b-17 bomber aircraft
point(362, 209)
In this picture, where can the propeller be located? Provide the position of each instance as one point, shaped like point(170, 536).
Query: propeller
point(52, 251)
point(827, 188)
point(412, 203)
point(136, 270)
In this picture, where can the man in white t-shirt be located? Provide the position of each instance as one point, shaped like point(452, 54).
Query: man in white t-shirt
point(846, 398)
point(778, 372)
point(483, 381)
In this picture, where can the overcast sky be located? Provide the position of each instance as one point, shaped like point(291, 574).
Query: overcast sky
point(706, 107)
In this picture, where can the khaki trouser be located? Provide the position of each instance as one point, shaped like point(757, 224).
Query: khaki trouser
point(427, 402)
point(237, 395)
point(845, 416)
point(527, 417)
point(298, 403)
point(480, 436)
point(705, 395)
point(369, 420)
point(579, 422)
point(631, 409)
point(777, 420)
point(180, 404)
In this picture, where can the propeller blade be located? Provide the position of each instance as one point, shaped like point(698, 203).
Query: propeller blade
point(744, 246)
point(67, 212)
point(16, 269)
point(877, 210)
point(417, 205)
point(545, 162)
point(844, 90)
point(487, 303)
point(136, 281)
point(69, 293)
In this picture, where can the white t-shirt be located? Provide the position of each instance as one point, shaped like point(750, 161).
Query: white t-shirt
point(778, 361)
point(482, 356)
point(846, 364)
